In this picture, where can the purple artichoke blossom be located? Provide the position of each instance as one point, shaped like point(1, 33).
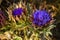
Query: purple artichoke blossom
point(17, 11)
point(2, 18)
point(41, 17)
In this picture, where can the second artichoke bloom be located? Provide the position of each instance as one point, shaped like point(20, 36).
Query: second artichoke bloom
point(17, 11)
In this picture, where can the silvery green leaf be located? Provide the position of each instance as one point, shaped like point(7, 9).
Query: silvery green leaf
point(17, 38)
point(48, 33)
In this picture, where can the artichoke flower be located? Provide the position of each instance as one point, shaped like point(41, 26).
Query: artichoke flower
point(17, 11)
point(2, 18)
point(41, 17)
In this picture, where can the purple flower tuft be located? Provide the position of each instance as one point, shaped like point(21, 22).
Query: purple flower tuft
point(41, 17)
point(17, 11)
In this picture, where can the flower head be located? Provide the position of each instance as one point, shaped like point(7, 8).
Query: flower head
point(41, 17)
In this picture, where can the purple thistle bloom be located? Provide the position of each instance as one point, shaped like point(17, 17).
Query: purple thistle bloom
point(41, 17)
point(2, 18)
point(17, 11)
